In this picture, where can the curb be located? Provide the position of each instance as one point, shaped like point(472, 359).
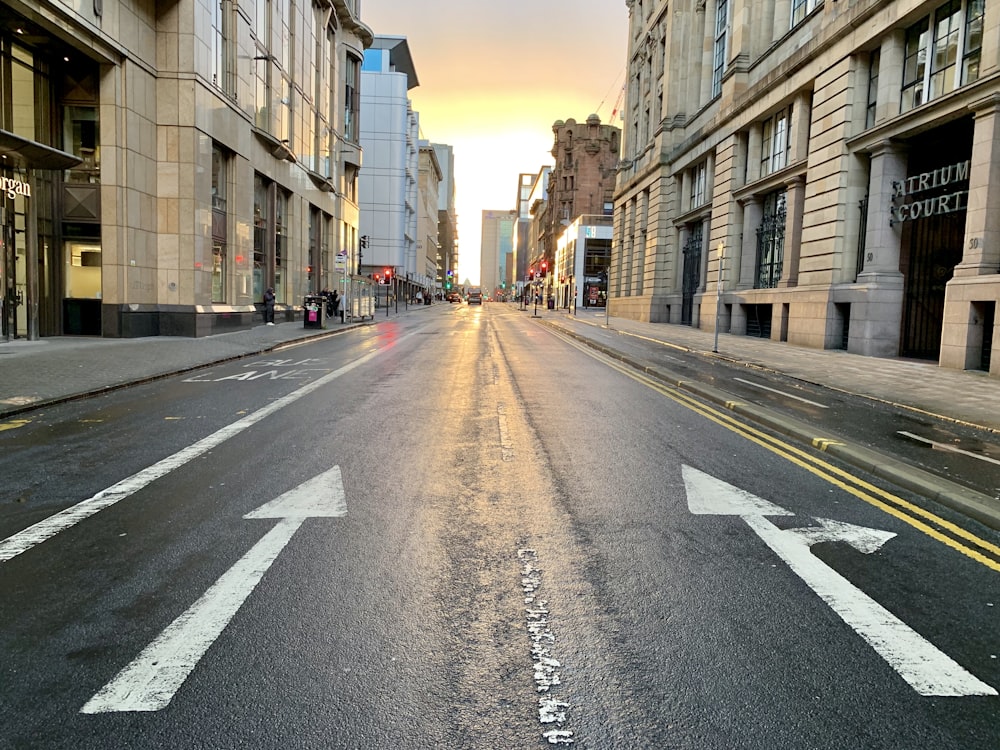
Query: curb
point(975, 505)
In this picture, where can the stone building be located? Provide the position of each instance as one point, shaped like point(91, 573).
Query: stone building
point(582, 182)
point(182, 157)
point(837, 160)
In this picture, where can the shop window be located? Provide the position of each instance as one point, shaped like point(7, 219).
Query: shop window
point(775, 143)
point(280, 244)
point(260, 191)
point(83, 270)
point(942, 52)
point(218, 272)
point(220, 221)
point(720, 45)
point(801, 9)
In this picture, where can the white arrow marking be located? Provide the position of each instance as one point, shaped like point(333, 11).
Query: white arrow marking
point(707, 495)
point(151, 680)
point(861, 538)
point(924, 667)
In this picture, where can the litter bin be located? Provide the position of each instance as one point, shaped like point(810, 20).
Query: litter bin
point(551, 303)
point(312, 307)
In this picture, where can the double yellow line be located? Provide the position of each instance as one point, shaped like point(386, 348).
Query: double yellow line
point(923, 520)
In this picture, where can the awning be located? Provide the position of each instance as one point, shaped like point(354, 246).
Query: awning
point(16, 151)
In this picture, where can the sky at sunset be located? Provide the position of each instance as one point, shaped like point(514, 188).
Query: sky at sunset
point(494, 75)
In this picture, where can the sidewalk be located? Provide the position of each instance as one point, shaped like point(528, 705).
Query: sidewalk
point(969, 397)
point(50, 370)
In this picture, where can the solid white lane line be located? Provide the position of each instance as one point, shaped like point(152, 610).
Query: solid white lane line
point(946, 447)
point(153, 677)
point(781, 393)
point(47, 528)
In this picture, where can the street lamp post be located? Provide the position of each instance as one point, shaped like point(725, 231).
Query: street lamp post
point(718, 296)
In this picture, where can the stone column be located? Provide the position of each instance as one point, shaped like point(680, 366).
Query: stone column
point(753, 151)
point(799, 127)
point(795, 198)
point(976, 279)
point(879, 313)
point(982, 218)
point(753, 214)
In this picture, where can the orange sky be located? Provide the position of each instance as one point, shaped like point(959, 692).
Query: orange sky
point(494, 76)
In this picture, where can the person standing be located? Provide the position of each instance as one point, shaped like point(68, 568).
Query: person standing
point(269, 306)
point(340, 306)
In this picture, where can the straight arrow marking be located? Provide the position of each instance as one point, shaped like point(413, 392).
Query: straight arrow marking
point(150, 681)
point(924, 667)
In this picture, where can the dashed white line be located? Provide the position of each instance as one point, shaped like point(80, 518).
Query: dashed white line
point(551, 710)
point(781, 393)
point(946, 447)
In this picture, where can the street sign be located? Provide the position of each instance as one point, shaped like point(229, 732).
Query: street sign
point(916, 660)
point(340, 262)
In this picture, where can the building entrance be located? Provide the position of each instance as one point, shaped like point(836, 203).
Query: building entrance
point(931, 204)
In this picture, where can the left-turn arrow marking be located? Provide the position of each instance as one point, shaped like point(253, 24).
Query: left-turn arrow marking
point(154, 676)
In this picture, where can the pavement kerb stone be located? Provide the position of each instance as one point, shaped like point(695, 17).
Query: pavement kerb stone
point(979, 506)
point(250, 351)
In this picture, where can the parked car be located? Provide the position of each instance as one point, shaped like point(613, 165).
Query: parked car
point(475, 295)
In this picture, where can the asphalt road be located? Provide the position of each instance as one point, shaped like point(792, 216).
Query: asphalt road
point(465, 531)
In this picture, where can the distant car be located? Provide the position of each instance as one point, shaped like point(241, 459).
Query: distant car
point(454, 297)
point(475, 295)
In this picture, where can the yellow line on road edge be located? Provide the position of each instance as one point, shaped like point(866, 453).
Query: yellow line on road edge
point(14, 424)
point(832, 474)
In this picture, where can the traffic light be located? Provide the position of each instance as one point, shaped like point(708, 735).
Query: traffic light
point(377, 278)
point(531, 274)
point(387, 272)
point(447, 285)
point(545, 268)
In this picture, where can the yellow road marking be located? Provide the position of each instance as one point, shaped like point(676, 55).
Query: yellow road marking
point(869, 493)
point(14, 424)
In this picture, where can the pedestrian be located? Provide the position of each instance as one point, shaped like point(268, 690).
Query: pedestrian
point(340, 306)
point(269, 306)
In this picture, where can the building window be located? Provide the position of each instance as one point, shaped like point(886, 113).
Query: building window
point(352, 99)
point(771, 242)
point(942, 52)
point(775, 144)
point(699, 179)
point(801, 9)
point(719, 48)
point(873, 65)
point(222, 33)
point(81, 136)
point(262, 64)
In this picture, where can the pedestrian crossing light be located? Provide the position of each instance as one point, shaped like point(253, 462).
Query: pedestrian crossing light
point(387, 272)
point(545, 269)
